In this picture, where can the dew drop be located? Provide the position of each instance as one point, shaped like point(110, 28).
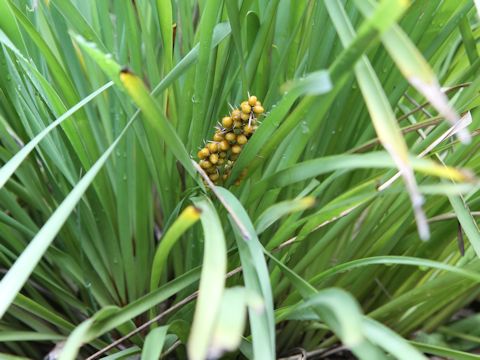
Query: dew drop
point(305, 128)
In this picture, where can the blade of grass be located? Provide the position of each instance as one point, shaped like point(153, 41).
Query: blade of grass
point(415, 69)
point(200, 94)
point(212, 281)
point(7, 170)
point(256, 279)
point(18, 274)
point(231, 320)
point(315, 167)
point(394, 260)
point(275, 212)
point(337, 308)
point(187, 218)
point(390, 341)
point(443, 351)
point(154, 343)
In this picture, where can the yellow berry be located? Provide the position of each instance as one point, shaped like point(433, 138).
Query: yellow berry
point(245, 117)
point(213, 147)
point(205, 164)
point(227, 122)
point(252, 100)
point(221, 161)
point(214, 177)
point(258, 109)
point(237, 124)
point(248, 129)
point(236, 149)
point(230, 137)
point(246, 108)
point(224, 145)
point(213, 158)
point(211, 170)
point(242, 139)
point(222, 154)
point(236, 114)
point(202, 154)
point(258, 103)
point(218, 137)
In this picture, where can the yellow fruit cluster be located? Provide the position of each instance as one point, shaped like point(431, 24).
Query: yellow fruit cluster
point(220, 153)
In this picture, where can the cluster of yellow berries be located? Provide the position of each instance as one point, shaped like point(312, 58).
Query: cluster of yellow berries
point(219, 154)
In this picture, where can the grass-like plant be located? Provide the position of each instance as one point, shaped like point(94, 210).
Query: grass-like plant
point(345, 223)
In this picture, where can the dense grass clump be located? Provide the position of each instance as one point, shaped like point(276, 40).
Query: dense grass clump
point(239, 179)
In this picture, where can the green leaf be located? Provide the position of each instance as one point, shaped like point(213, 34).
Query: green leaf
point(230, 324)
point(123, 354)
point(187, 218)
point(315, 83)
point(154, 343)
point(390, 341)
point(275, 212)
point(381, 113)
point(7, 170)
point(77, 338)
point(442, 351)
point(212, 281)
point(469, 225)
point(399, 260)
point(11, 335)
point(156, 120)
point(18, 274)
point(415, 68)
point(256, 276)
point(316, 167)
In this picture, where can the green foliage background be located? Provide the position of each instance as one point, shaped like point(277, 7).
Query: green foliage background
point(368, 148)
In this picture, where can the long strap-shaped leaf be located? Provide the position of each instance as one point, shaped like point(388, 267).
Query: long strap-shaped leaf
point(382, 115)
point(415, 68)
point(16, 277)
point(256, 277)
point(18, 274)
point(343, 314)
point(373, 160)
point(212, 281)
point(7, 170)
point(274, 129)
